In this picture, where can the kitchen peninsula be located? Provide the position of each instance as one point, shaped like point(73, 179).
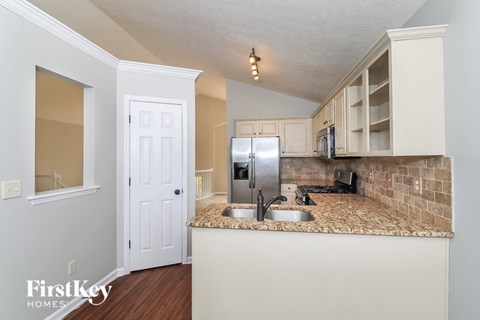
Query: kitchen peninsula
point(357, 260)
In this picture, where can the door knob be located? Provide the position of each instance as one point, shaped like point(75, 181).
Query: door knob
point(177, 192)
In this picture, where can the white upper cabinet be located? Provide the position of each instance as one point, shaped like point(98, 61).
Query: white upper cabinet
point(315, 128)
point(245, 129)
point(340, 124)
point(394, 98)
point(356, 116)
point(322, 119)
point(328, 115)
point(296, 137)
point(295, 134)
point(257, 128)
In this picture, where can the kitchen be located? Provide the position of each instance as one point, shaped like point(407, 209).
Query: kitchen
point(414, 188)
point(374, 172)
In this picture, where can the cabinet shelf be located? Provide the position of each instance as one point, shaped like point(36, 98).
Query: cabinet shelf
point(357, 104)
point(377, 87)
point(380, 125)
point(380, 94)
point(395, 96)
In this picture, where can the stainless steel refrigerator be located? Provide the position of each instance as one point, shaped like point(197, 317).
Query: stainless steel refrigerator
point(255, 164)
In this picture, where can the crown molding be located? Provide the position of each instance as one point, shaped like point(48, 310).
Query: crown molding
point(147, 68)
point(46, 22)
point(417, 32)
point(379, 47)
point(39, 18)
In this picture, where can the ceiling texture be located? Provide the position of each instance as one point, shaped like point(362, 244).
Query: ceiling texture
point(306, 46)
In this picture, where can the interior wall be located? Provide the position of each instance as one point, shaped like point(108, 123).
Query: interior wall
point(210, 151)
point(209, 112)
point(220, 151)
point(41, 240)
point(100, 29)
point(246, 101)
point(462, 46)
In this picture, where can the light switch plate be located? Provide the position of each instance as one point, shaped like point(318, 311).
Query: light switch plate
point(11, 189)
point(72, 267)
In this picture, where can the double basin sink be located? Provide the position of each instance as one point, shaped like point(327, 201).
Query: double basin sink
point(275, 215)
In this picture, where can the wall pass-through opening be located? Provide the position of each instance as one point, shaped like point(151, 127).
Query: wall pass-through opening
point(59, 131)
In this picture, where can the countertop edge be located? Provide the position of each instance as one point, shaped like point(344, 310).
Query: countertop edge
point(439, 234)
point(345, 214)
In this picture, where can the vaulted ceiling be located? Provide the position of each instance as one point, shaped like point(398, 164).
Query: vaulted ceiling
point(306, 46)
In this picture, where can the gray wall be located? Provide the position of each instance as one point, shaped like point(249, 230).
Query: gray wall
point(249, 102)
point(462, 105)
point(39, 241)
point(210, 132)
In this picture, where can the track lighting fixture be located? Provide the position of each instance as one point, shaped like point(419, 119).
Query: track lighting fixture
point(253, 61)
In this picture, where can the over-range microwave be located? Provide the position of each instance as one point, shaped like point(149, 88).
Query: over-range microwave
point(326, 143)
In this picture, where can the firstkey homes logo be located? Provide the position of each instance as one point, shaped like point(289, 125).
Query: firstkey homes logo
point(51, 296)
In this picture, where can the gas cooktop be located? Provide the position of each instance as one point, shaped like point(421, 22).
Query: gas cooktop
point(322, 189)
point(345, 182)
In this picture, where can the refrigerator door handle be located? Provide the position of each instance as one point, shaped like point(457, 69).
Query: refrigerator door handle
point(251, 170)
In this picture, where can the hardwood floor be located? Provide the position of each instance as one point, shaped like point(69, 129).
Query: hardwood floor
point(162, 293)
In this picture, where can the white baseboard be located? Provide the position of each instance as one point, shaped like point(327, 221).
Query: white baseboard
point(76, 302)
point(189, 260)
point(120, 272)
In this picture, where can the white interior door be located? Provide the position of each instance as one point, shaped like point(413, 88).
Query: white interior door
point(156, 184)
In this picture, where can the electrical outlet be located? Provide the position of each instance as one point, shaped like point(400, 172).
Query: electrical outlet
point(370, 176)
point(417, 186)
point(72, 267)
point(11, 189)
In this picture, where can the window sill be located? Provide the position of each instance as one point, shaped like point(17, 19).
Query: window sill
point(56, 195)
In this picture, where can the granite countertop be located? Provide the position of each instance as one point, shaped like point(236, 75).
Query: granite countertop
point(347, 214)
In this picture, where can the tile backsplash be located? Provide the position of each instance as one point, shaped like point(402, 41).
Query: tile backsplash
point(391, 180)
point(302, 168)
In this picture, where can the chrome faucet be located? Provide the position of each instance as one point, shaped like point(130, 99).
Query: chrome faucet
point(261, 208)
